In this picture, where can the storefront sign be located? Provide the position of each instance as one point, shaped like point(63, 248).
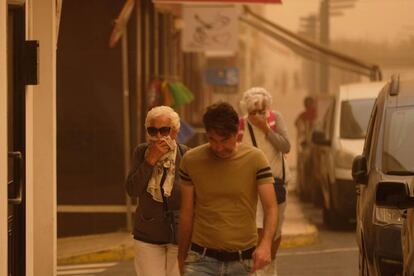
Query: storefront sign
point(210, 28)
point(220, 1)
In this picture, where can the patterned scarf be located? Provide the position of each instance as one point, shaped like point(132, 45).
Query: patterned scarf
point(167, 162)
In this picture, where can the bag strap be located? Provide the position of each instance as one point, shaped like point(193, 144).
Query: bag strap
point(255, 144)
point(180, 149)
point(241, 129)
point(164, 199)
point(252, 134)
point(168, 214)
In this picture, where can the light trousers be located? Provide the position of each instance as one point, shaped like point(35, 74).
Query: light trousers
point(268, 270)
point(156, 259)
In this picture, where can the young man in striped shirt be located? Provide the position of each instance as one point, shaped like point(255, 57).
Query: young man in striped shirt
point(220, 185)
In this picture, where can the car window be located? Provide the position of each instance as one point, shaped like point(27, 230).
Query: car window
point(398, 151)
point(354, 118)
point(371, 126)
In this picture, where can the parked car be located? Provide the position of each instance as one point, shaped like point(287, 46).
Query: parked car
point(338, 140)
point(381, 173)
point(400, 195)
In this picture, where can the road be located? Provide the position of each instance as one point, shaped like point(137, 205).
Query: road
point(335, 253)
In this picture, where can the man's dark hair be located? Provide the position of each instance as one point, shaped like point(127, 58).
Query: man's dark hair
point(221, 118)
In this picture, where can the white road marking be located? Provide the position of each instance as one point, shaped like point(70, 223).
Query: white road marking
point(84, 269)
point(316, 252)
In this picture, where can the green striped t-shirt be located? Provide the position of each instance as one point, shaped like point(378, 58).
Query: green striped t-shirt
point(225, 195)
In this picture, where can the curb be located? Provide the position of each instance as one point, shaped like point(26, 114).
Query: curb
point(125, 253)
point(299, 240)
point(121, 253)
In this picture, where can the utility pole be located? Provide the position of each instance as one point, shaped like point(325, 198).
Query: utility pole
point(328, 9)
point(309, 29)
point(324, 40)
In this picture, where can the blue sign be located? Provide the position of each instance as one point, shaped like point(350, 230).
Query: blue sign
point(222, 76)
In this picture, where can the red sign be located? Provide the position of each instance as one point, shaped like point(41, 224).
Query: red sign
point(220, 1)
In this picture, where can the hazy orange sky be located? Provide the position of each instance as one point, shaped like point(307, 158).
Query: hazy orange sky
point(376, 20)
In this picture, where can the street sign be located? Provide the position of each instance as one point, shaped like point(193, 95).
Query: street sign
point(220, 1)
point(210, 28)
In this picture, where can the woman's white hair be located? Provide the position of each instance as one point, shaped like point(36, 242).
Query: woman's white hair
point(256, 98)
point(163, 110)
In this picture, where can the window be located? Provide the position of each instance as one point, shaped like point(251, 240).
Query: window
point(398, 151)
point(371, 127)
point(355, 117)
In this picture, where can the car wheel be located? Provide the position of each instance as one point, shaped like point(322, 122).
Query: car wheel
point(363, 265)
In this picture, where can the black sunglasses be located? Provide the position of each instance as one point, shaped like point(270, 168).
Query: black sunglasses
point(260, 112)
point(164, 131)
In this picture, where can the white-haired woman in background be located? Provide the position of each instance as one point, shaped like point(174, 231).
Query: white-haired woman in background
point(153, 179)
point(266, 130)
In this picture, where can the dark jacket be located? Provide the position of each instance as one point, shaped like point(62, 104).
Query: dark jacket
point(151, 223)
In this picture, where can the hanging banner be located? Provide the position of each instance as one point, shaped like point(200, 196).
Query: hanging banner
point(220, 1)
point(210, 28)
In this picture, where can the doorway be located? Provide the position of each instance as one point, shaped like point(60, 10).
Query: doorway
point(16, 141)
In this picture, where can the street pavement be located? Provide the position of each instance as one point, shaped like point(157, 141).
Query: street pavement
point(335, 252)
point(114, 247)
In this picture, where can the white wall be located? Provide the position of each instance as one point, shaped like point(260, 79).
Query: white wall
point(275, 67)
point(3, 139)
point(41, 143)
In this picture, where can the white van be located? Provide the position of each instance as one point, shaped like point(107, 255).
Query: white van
point(336, 142)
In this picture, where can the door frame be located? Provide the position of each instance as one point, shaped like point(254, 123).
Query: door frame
point(16, 138)
point(3, 139)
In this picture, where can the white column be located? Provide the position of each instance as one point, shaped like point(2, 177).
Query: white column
point(3, 138)
point(41, 143)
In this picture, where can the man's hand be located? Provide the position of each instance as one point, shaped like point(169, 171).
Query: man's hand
point(261, 256)
point(260, 122)
point(156, 149)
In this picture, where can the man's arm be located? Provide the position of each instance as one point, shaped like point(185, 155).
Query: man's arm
point(186, 223)
point(262, 254)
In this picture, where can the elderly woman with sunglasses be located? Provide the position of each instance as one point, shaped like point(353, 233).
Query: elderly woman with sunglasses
point(153, 179)
point(265, 129)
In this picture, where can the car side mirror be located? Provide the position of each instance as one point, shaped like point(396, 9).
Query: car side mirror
point(359, 170)
point(318, 138)
point(393, 195)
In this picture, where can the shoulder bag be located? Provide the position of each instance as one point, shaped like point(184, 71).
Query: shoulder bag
point(279, 183)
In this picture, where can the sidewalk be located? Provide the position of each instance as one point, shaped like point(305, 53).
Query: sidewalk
point(118, 246)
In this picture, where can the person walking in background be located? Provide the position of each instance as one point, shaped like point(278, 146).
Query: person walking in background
point(266, 130)
point(305, 122)
point(220, 185)
point(153, 179)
